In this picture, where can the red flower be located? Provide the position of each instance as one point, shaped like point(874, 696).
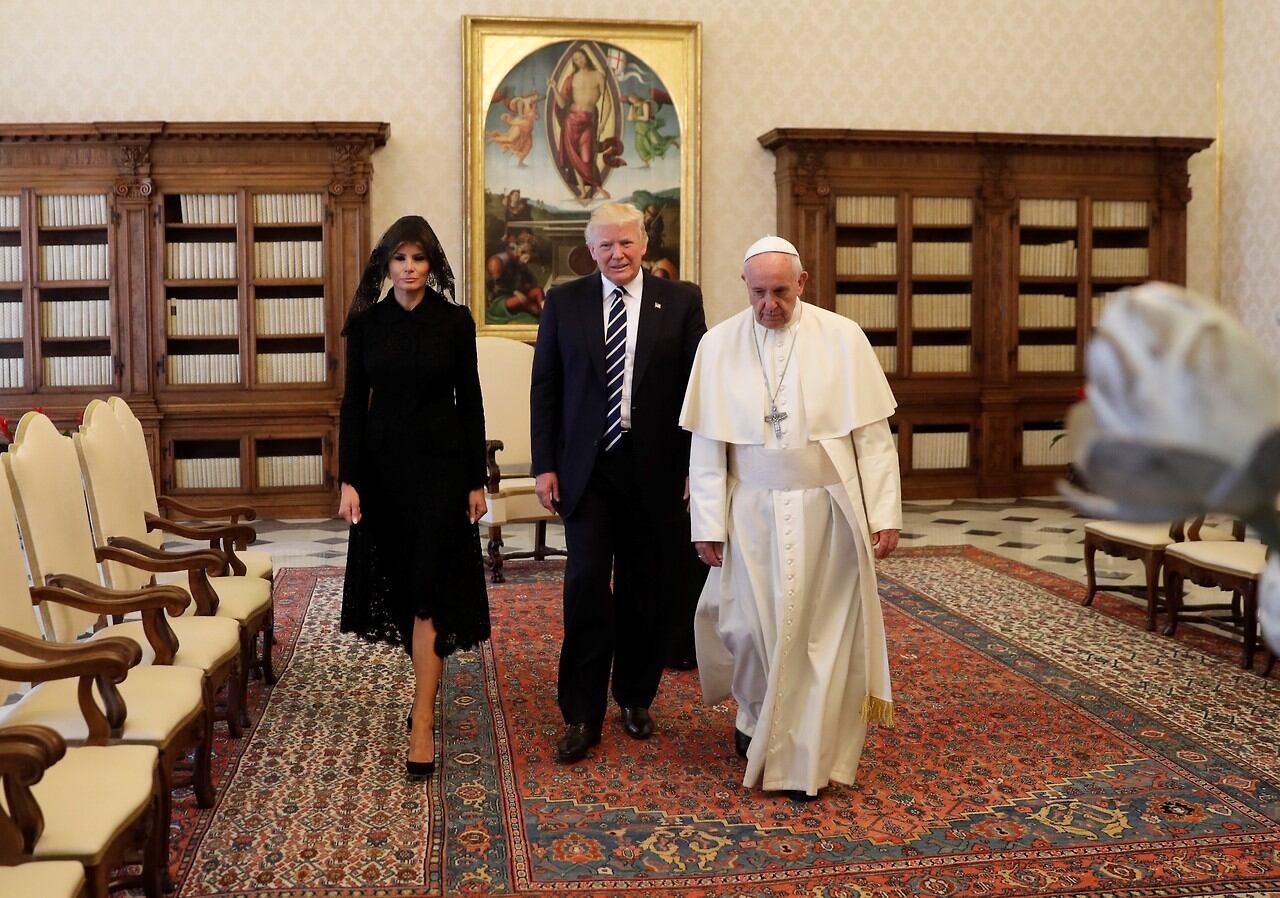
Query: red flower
point(4, 429)
point(1080, 393)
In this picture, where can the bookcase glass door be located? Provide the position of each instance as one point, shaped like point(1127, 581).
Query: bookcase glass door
point(202, 289)
point(73, 291)
point(288, 290)
point(941, 286)
point(12, 289)
point(866, 262)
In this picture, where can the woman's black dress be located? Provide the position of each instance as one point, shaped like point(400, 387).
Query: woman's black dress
point(412, 445)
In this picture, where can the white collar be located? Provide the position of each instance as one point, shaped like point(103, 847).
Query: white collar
point(632, 288)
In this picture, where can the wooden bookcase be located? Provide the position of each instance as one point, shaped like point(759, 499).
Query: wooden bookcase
point(977, 265)
point(202, 272)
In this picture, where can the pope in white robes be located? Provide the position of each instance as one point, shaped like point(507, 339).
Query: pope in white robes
point(794, 492)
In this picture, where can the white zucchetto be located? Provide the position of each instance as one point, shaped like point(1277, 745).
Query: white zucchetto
point(770, 244)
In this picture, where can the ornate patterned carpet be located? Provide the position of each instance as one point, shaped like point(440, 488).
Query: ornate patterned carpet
point(1040, 749)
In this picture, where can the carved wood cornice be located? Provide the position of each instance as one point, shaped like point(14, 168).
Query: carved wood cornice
point(847, 138)
point(373, 133)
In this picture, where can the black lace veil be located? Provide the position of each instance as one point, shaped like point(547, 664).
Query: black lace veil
point(409, 229)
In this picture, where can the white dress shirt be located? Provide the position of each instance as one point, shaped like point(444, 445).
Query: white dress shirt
point(632, 302)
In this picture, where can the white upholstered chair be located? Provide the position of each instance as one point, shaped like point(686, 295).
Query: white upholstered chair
point(239, 606)
point(210, 521)
point(506, 369)
point(1145, 543)
point(49, 879)
point(71, 816)
point(170, 699)
point(1233, 566)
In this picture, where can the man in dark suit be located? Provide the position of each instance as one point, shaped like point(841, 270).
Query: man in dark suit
point(609, 373)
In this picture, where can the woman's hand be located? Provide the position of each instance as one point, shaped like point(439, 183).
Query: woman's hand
point(476, 505)
point(349, 504)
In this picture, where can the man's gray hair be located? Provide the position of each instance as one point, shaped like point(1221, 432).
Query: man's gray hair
point(616, 214)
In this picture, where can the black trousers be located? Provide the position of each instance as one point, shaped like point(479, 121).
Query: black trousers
point(614, 535)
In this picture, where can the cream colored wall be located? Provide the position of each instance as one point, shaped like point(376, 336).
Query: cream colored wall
point(1084, 66)
point(1251, 168)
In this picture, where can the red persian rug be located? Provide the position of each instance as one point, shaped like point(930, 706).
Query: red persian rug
point(1041, 748)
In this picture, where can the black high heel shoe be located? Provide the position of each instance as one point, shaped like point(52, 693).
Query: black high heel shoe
point(419, 771)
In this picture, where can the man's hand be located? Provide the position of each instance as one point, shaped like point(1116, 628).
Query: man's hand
point(885, 541)
point(349, 504)
point(686, 493)
point(547, 489)
point(712, 554)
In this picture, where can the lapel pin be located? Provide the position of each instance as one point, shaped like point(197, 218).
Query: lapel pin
point(657, 305)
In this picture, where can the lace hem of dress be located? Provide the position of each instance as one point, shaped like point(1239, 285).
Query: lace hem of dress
point(370, 609)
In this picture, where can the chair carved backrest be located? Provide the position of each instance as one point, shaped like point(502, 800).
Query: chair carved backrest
point(115, 507)
point(45, 478)
point(137, 464)
point(506, 370)
point(16, 611)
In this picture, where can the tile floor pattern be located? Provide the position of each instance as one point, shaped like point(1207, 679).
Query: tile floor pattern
point(1042, 532)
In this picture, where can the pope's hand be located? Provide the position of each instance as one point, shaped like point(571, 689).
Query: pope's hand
point(885, 541)
point(711, 553)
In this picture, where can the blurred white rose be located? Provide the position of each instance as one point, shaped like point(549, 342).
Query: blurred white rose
point(1181, 415)
point(1269, 601)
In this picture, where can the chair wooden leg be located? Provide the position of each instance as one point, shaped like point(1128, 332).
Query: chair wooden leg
point(1152, 564)
point(1250, 597)
point(163, 815)
point(202, 772)
point(241, 718)
point(268, 639)
point(1090, 551)
point(540, 541)
point(155, 855)
point(495, 555)
point(98, 881)
point(1172, 600)
point(237, 686)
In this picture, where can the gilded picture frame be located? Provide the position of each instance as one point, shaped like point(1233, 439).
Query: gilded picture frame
point(561, 116)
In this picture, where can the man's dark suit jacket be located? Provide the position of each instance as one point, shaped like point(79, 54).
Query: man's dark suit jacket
point(568, 393)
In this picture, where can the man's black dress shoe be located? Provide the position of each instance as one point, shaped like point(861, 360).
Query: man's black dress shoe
point(637, 722)
point(799, 795)
point(741, 742)
point(577, 739)
point(683, 664)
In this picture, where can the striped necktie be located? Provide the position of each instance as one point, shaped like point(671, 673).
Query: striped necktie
point(615, 361)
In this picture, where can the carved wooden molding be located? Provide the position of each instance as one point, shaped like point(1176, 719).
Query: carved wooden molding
point(351, 169)
point(902, 140)
point(373, 133)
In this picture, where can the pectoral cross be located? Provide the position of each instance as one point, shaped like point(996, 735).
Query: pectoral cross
point(776, 418)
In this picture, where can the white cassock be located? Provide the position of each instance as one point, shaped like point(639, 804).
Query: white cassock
point(790, 625)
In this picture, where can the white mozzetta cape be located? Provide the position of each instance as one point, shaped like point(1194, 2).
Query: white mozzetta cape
point(843, 389)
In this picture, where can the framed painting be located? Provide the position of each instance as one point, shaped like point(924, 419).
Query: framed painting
point(562, 116)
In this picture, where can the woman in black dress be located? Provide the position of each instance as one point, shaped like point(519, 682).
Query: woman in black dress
point(412, 464)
